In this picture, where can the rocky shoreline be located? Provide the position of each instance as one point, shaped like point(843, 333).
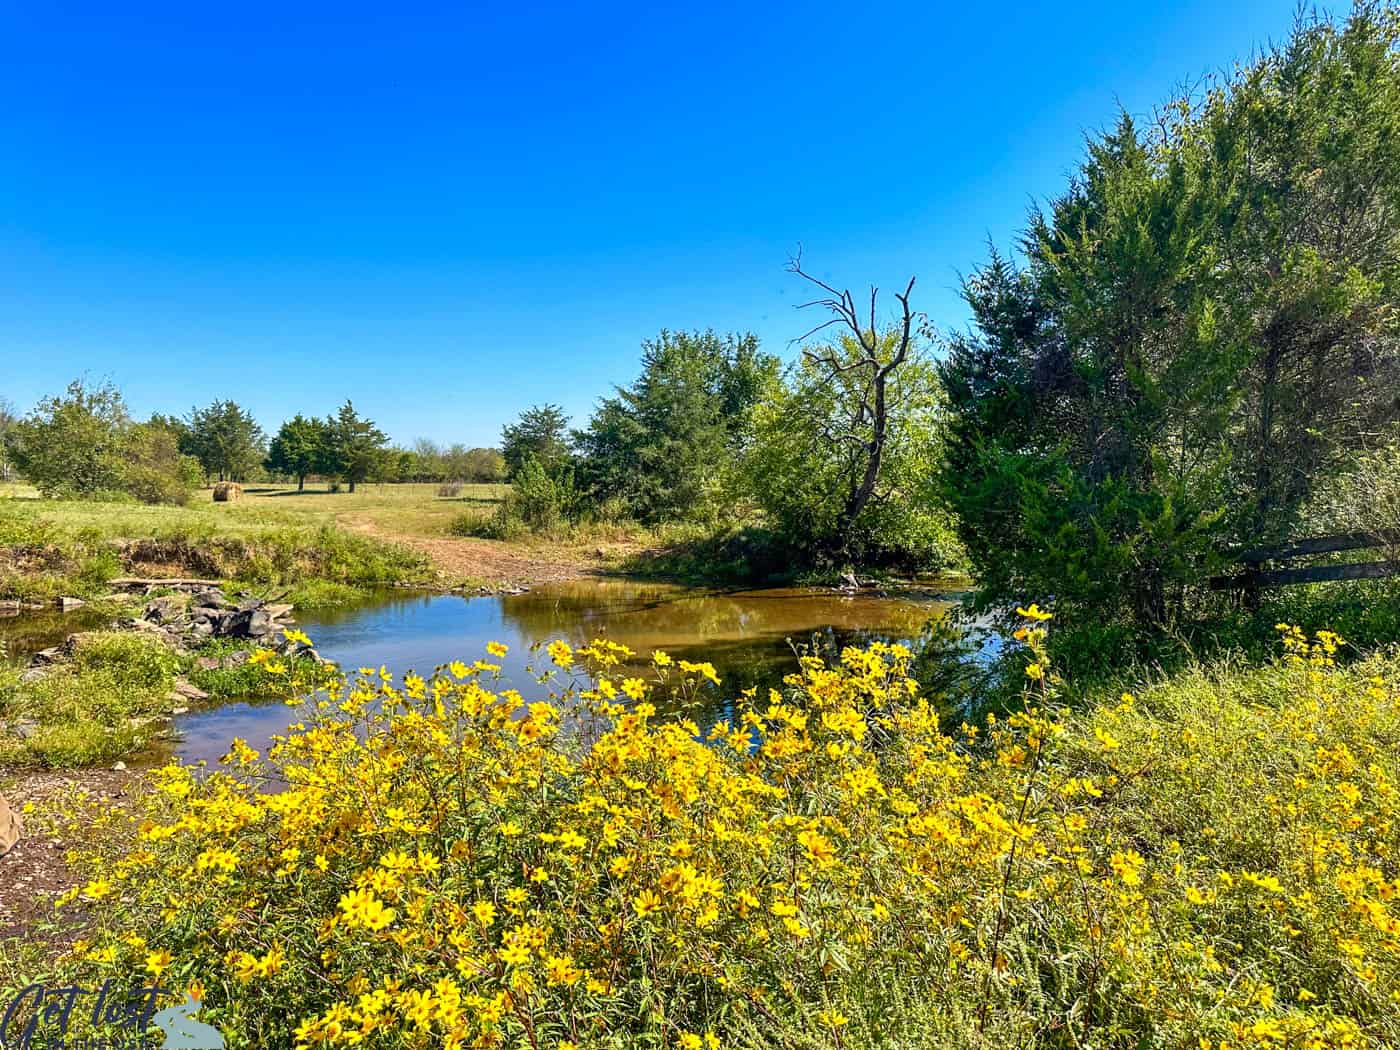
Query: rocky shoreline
point(187, 621)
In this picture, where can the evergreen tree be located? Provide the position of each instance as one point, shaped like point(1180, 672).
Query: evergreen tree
point(353, 446)
point(299, 448)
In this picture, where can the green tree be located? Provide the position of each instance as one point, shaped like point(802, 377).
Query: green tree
point(225, 439)
point(72, 444)
point(665, 446)
point(8, 419)
point(154, 470)
point(1199, 337)
point(541, 432)
point(354, 445)
point(811, 453)
point(298, 448)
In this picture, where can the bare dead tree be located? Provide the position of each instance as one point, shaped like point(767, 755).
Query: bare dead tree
point(867, 430)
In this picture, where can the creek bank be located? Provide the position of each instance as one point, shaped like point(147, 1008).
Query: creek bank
point(111, 691)
point(186, 624)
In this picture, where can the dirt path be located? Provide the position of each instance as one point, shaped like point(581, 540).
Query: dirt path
point(492, 562)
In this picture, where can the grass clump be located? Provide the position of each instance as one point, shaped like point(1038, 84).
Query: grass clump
point(107, 702)
point(1208, 860)
point(253, 677)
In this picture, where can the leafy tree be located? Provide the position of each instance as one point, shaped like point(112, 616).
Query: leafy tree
point(664, 446)
point(299, 448)
point(811, 453)
point(541, 432)
point(1199, 337)
point(154, 470)
point(85, 444)
point(8, 419)
point(354, 445)
point(479, 465)
point(73, 444)
point(225, 439)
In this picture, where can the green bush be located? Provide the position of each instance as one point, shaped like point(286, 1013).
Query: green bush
point(138, 661)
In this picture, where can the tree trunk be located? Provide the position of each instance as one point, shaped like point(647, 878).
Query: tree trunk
point(301, 482)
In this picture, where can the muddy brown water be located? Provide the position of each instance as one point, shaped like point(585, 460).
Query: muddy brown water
point(749, 635)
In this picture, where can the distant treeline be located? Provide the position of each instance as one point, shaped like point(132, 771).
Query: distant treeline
point(84, 443)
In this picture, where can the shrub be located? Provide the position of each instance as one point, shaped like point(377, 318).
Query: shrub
point(497, 525)
point(446, 865)
point(449, 491)
point(140, 662)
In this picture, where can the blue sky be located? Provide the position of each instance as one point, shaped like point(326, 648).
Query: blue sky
point(449, 212)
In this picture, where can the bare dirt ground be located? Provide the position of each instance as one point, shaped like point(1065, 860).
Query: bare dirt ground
point(493, 562)
point(36, 869)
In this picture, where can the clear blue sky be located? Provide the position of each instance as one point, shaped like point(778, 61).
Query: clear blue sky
point(449, 212)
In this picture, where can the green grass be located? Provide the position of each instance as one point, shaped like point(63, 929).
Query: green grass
point(54, 547)
point(103, 704)
point(112, 698)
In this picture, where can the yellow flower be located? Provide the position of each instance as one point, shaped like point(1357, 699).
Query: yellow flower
point(1127, 865)
point(485, 912)
point(646, 902)
point(157, 962)
point(1034, 612)
point(497, 649)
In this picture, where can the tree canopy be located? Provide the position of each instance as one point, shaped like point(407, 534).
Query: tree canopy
point(226, 440)
point(300, 447)
point(662, 446)
point(1202, 333)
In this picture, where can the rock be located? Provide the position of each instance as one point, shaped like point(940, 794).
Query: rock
point(52, 654)
point(10, 827)
point(210, 599)
point(163, 610)
point(32, 674)
point(235, 659)
point(207, 663)
point(250, 623)
point(67, 603)
point(278, 611)
point(188, 691)
point(24, 729)
point(118, 767)
point(178, 710)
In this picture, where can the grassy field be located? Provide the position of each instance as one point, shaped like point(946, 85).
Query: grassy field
point(410, 509)
point(411, 518)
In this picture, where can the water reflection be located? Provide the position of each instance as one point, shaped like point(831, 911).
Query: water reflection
point(748, 636)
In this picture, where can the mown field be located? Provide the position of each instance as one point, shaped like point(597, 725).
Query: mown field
point(410, 525)
point(406, 509)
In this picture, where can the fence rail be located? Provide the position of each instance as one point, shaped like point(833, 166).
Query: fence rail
point(1255, 576)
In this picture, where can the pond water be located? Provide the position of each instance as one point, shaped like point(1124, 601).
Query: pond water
point(748, 635)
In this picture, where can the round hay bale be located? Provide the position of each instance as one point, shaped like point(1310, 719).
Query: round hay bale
point(227, 491)
point(10, 827)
